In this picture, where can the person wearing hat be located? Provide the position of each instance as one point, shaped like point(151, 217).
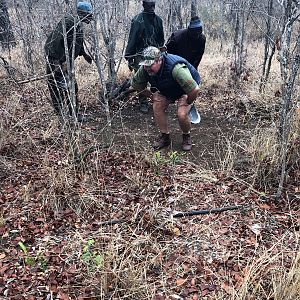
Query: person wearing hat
point(188, 43)
point(57, 61)
point(146, 30)
point(172, 79)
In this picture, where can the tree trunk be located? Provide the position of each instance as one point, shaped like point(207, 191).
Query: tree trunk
point(24, 17)
point(269, 43)
point(174, 20)
point(103, 93)
point(6, 34)
point(222, 16)
point(194, 8)
point(289, 64)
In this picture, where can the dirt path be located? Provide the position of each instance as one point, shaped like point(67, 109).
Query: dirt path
point(133, 131)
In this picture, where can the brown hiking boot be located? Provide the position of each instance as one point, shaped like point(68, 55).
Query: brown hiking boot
point(163, 141)
point(186, 142)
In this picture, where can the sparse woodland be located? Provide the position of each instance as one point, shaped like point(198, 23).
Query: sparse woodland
point(90, 211)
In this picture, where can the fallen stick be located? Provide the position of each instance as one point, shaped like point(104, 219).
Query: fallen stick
point(33, 79)
point(184, 214)
point(206, 211)
point(112, 222)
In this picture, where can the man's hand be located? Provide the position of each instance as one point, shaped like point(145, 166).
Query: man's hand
point(87, 58)
point(193, 95)
point(130, 64)
point(64, 67)
point(147, 93)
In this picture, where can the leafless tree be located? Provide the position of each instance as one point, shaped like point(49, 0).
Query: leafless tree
point(222, 23)
point(289, 64)
point(174, 19)
point(238, 49)
point(100, 69)
point(270, 45)
point(6, 34)
point(23, 11)
point(194, 8)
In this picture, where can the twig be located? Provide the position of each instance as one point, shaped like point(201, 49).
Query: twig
point(184, 214)
point(207, 211)
point(112, 222)
point(125, 93)
point(89, 151)
point(33, 79)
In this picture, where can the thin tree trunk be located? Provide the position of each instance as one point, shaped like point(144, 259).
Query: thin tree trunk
point(103, 93)
point(7, 38)
point(222, 15)
point(194, 8)
point(289, 70)
point(25, 31)
point(268, 38)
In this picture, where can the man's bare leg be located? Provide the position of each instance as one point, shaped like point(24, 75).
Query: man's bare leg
point(160, 104)
point(182, 112)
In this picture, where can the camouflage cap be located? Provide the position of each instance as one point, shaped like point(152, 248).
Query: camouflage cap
point(150, 55)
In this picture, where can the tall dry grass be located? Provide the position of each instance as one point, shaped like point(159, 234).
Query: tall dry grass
point(130, 253)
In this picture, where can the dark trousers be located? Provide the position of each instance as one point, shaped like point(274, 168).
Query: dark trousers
point(142, 99)
point(58, 88)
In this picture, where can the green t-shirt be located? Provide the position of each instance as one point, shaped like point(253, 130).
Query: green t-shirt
point(180, 73)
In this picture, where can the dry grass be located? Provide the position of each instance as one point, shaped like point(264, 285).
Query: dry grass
point(152, 251)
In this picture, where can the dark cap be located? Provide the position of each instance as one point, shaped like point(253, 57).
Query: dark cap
point(195, 22)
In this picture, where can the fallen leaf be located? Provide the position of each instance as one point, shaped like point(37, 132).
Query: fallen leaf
point(264, 206)
point(176, 297)
point(63, 296)
point(227, 288)
point(193, 282)
point(195, 297)
point(255, 228)
point(176, 231)
point(180, 281)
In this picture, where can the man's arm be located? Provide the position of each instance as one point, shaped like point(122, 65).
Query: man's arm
point(140, 80)
point(184, 78)
point(133, 34)
point(86, 56)
point(171, 44)
point(197, 60)
point(161, 37)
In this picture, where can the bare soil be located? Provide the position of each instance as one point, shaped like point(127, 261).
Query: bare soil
point(133, 130)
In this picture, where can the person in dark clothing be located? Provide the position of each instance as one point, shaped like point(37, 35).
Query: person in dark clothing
point(172, 78)
point(146, 30)
point(188, 43)
point(57, 62)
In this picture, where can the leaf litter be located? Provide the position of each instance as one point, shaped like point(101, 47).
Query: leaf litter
point(55, 213)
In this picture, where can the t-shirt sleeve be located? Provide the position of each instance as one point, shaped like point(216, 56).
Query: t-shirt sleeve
point(183, 77)
point(140, 79)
